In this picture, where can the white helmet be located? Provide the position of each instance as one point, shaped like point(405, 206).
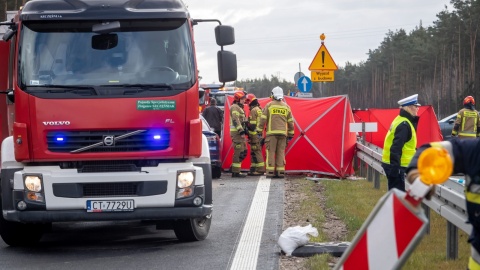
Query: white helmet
point(277, 93)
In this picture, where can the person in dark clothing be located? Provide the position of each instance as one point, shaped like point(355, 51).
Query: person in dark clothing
point(214, 116)
point(400, 143)
point(465, 157)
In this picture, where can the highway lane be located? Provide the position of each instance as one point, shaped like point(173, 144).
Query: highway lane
point(138, 245)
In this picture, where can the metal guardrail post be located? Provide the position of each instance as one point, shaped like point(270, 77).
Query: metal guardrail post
point(355, 163)
point(369, 173)
point(426, 210)
point(452, 241)
point(376, 180)
point(362, 168)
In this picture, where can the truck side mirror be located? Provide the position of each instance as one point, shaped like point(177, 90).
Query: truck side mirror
point(224, 35)
point(227, 66)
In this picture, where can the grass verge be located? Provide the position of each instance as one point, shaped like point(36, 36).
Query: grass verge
point(352, 202)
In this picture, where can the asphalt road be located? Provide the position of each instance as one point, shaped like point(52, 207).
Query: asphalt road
point(138, 245)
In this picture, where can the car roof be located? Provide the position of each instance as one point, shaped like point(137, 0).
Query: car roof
point(448, 117)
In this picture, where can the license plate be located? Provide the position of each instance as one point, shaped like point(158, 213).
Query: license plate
point(110, 206)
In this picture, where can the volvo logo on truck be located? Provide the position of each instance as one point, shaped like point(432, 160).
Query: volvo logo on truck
point(56, 123)
point(108, 140)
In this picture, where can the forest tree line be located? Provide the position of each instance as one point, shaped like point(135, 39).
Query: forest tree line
point(438, 62)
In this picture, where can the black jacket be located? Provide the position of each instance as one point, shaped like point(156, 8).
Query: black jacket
point(214, 117)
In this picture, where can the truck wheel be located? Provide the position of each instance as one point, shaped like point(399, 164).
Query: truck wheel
point(20, 234)
point(194, 229)
point(216, 172)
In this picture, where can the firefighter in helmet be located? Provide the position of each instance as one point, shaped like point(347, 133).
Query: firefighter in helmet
point(257, 166)
point(238, 132)
point(278, 119)
point(467, 124)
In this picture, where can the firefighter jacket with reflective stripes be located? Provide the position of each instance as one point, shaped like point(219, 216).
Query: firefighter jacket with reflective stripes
point(254, 120)
point(401, 140)
point(278, 119)
point(467, 123)
point(237, 118)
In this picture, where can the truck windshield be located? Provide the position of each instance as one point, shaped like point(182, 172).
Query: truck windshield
point(143, 53)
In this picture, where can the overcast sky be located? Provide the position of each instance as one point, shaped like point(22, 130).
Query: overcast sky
point(277, 36)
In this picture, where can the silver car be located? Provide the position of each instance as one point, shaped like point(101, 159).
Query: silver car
point(446, 126)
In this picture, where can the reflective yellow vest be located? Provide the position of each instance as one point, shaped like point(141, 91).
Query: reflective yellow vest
point(408, 149)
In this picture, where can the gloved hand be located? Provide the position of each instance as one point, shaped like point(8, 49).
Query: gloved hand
point(259, 136)
point(289, 139)
point(242, 132)
point(262, 141)
point(413, 175)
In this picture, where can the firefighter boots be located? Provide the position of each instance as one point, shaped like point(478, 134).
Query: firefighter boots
point(238, 175)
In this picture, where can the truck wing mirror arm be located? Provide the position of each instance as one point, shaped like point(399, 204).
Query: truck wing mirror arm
point(10, 95)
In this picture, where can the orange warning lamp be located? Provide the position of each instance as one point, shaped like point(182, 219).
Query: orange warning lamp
point(435, 166)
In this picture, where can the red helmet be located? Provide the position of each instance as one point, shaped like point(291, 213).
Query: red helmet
point(238, 95)
point(250, 98)
point(469, 99)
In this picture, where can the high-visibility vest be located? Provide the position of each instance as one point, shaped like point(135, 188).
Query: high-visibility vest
point(408, 149)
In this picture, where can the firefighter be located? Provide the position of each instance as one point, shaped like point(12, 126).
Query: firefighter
point(257, 166)
point(467, 124)
point(465, 156)
point(238, 132)
point(401, 142)
point(279, 122)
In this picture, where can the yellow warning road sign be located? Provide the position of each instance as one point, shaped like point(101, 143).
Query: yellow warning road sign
point(323, 60)
point(323, 76)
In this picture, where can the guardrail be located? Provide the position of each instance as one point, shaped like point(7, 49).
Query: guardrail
point(448, 201)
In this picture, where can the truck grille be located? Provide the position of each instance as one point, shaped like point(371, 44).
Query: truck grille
point(108, 141)
point(118, 189)
point(109, 189)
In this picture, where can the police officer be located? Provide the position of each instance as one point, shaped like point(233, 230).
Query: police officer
point(237, 132)
point(257, 166)
point(465, 155)
point(400, 143)
point(280, 130)
point(467, 124)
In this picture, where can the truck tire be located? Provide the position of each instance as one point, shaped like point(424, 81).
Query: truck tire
point(19, 234)
point(194, 229)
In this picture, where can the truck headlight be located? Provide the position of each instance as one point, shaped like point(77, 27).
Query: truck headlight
point(185, 179)
point(33, 183)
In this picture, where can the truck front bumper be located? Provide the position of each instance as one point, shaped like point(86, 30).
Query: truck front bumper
point(82, 215)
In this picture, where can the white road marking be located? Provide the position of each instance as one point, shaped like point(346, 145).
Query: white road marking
point(246, 255)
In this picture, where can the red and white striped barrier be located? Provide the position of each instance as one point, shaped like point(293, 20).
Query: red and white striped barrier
point(387, 237)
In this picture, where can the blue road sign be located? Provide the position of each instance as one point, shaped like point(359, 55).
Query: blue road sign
point(304, 84)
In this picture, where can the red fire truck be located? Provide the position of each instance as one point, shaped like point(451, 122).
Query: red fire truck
point(101, 121)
